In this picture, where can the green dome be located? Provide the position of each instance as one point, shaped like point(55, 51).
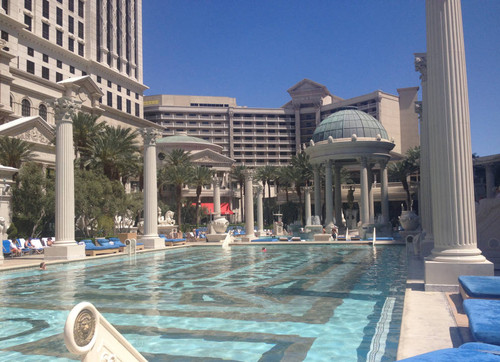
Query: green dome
point(346, 122)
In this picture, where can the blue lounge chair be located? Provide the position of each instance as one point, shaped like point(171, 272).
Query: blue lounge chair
point(117, 241)
point(457, 354)
point(473, 286)
point(172, 242)
point(92, 250)
point(24, 250)
point(111, 244)
point(6, 249)
point(484, 319)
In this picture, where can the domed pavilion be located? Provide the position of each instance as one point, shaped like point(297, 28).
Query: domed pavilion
point(350, 138)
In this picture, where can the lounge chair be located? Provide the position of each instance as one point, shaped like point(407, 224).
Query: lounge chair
point(6, 248)
point(484, 319)
point(117, 241)
point(477, 352)
point(92, 250)
point(37, 246)
point(111, 244)
point(172, 242)
point(473, 286)
point(21, 244)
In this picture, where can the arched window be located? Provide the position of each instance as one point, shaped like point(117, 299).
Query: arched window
point(25, 108)
point(42, 111)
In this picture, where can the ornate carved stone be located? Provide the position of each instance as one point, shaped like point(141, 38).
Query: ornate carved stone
point(421, 66)
point(64, 108)
point(34, 135)
point(419, 109)
point(84, 328)
point(149, 135)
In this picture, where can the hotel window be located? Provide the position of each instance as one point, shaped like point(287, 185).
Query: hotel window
point(27, 5)
point(5, 35)
point(80, 30)
point(119, 102)
point(80, 8)
point(80, 49)
point(59, 77)
point(45, 58)
point(72, 69)
point(71, 5)
point(99, 79)
point(59, 17)
point(25, 108)
point(45, 72)
point(71, 24)
point(137, 110)
point(119, 88)
point(59, 64)
point(45, 31)
point(129, 106)
point(45, 9)
point(109, 84)
point(71, 44)
point(5, 6)
point(42, 111)
point(128, 92)
point(59, 37)
point(30, 67)
point(110, 99)
point(136, 95)
point(27, 21)
point(31, 52)
point(59, 1)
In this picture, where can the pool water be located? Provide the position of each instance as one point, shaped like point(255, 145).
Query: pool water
point(291, 303)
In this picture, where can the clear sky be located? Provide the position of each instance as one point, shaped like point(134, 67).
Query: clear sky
point(255, 50)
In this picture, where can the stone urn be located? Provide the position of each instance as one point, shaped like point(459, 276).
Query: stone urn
point(220, 225)
point(409, 220)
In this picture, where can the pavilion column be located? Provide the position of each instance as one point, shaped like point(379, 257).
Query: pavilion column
point(365, 208)
point(328, 193)
point(65, 247)
point(425, 192)
point(490, 182)
point(150, 238)
point(317, 191)
point(307, 202)
point(371, 207)
point(260, 210)
point(216, 184)
point(338, 195)
point(384, 190)
point(455, 245)
point(249, 219)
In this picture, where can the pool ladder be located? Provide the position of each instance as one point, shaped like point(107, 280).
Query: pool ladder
point(131, 246)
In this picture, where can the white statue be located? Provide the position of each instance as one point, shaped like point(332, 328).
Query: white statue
point(169, 218)
point(2, 226)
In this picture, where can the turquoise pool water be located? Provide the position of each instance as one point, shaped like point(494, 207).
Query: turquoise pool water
point(291, 303)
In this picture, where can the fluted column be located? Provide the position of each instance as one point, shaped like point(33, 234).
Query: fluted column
point(452, 184)
point(371, 206)
point(490, 181)
point(338, 195)
point(216, 184)
point(307, 203)
point(384, 190)
point(150, 237)
point(249, 219)
point(317, 191)
point(328, 193)
point(425, 192)
point(365, 208)
point(260, 210)
point(65, 246)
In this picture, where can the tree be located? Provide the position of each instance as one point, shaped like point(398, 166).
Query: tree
point(85, 130)
point(266, 175)
point(13, 151)
point(300, 173)
point(201, 176)
point(282, 179)
point(33, 201)
point(115, 153)
point(237, 174)
point(401, 170)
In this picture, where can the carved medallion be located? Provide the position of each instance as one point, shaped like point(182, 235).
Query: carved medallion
point(84, 328)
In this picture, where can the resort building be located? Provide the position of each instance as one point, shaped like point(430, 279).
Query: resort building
point(271, 136)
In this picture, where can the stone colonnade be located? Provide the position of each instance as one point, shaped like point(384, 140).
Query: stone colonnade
point(453, 214)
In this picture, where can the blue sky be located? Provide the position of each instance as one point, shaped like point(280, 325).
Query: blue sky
point(256, 50)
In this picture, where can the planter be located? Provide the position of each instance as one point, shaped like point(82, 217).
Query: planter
point(409, 220)
point(220, 225)
point(125, 236)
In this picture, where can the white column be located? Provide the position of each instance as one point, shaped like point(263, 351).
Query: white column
point(260, 210)
point(249, 220)
point(364, 207)
point(216, 184)
point(65, 246)
point(328, 193)
point(150, 237)
point(338, 195)
point(455, 246)
point(317, 191)
point(384, 191)
point(371, 206)
point(307, 202)
point(490, 181)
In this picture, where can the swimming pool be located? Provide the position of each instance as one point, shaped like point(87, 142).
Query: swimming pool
point(291, 303)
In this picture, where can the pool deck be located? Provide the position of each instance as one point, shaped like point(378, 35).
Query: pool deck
point(431, 320)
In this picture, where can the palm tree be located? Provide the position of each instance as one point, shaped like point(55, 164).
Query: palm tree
point(201, 176)
point(404, 168)
point(85, 129)
point(266, 174)
point(237, 174)
point(178, 157)
point(301, 173)
point(13, 151)
point(115, 152)
point(282, 179)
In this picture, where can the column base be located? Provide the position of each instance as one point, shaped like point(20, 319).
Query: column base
point(153, 242)
point(64, 252)
point(443, 276)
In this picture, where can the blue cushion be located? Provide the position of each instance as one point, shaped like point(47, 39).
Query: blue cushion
point(482, 347)
point(484, 319)
point(480, 286)
point(454, 354)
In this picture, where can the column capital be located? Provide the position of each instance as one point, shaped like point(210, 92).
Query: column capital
point(421, 65)
point(216, 181)
point(419, 110)
point(64, 108)
point(258, 189)
point(149, 135)
point(383, 162)
point(249, 173)
point(363, 161)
